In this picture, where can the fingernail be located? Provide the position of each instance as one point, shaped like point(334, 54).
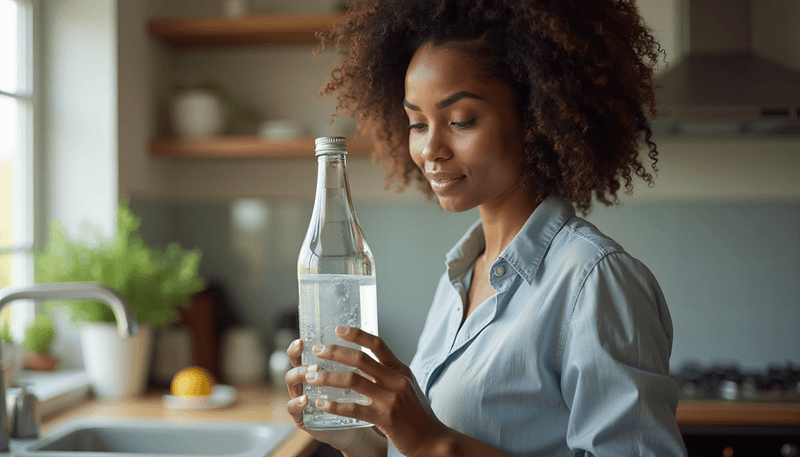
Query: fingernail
point(313, 367)
point(321, 403)
point(302, 399)
point(295, 344)
point(318, 348)
point(310, 376)
point(342, 329)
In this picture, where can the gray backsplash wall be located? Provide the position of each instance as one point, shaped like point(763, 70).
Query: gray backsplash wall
point(730, 271)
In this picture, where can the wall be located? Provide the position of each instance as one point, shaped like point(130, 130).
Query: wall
point(141, 66)
point(80, 112)
point(77, 144)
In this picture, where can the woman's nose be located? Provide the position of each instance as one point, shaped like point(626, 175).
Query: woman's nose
point(434, 148)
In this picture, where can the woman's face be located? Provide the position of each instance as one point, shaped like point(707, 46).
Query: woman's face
point(464, 132)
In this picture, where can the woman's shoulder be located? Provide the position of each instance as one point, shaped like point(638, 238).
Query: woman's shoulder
point(583, 241)
point(580, 248)
point(582, 251)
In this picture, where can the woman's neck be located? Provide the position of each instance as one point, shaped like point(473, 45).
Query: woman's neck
point(502, 222)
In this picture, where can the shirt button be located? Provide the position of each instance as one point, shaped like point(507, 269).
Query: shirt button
point(499, 270)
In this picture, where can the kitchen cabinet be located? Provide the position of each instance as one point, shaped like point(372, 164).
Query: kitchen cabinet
point(255, 30)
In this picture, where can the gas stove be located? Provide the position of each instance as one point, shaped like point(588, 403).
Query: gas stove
point(727, 382)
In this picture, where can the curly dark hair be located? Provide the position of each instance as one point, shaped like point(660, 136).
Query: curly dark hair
point(582, 72)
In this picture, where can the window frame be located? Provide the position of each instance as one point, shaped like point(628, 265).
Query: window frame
point(60, 389)
point(26, 170)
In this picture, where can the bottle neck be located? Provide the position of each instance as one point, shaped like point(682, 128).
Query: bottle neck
point(334, 242)
point(331, 172)
point(332, 202)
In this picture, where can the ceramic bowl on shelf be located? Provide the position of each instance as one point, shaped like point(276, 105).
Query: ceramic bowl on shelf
point(198, 113)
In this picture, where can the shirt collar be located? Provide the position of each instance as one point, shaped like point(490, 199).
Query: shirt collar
point(526, 250)
point(461, 257)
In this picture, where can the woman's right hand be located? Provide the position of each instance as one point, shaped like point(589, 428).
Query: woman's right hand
point(339, 439)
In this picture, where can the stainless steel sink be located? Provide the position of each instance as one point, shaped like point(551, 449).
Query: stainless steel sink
point(128, 438)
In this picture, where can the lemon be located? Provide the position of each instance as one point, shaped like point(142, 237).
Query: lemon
point(192, 382)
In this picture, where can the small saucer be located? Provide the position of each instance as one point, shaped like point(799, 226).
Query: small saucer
point(221, 395)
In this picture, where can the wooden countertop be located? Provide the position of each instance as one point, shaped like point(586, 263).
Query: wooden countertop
point(258, 403)
point(717, 412)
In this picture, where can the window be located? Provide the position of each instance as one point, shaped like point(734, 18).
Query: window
point(16, 153)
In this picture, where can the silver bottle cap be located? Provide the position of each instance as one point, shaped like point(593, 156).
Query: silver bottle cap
point(330, 145)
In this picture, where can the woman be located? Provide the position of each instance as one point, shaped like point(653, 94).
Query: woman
point(544, 337)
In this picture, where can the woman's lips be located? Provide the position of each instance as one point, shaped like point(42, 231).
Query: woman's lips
point(442, 182)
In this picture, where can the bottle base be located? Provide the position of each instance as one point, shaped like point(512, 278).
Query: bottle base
point(333, 422)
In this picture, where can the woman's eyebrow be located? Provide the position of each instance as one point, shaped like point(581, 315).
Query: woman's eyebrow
point(446, 102)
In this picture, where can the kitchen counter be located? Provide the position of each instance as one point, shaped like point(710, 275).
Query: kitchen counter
point(262, 403)
point(718, 412)
point(257, 403)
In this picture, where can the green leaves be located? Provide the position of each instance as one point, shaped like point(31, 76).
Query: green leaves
point(39, 334)
point(5, 333)
point(156, 283)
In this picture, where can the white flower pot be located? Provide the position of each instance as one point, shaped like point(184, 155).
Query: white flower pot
point(116, 367)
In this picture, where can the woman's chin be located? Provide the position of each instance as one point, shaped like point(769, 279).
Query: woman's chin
point(453, 205)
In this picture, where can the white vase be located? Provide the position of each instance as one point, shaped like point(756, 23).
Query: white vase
point(116, 367)
point(198, 113)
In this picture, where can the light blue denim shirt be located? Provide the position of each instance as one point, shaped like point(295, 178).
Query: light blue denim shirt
point(569, 357)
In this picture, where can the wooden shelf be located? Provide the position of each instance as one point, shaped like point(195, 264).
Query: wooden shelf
point(248, 30)
point(245, 147)
point(252, 29)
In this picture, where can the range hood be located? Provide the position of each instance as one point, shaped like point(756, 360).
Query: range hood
point(722, 85)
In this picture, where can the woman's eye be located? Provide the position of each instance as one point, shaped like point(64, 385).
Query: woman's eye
point(416, 126)
point(463, 125)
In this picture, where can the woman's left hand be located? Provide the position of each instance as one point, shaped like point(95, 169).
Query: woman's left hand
point(397, 406)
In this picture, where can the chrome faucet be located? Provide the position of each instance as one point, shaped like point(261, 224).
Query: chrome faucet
point(126, 321)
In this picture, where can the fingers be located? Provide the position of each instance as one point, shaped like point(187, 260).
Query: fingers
point(295, 352)
point(343, 380)
point(354, 410)
point(294, 380)
point(295, 408)
point(350, 357)
point(373, 343)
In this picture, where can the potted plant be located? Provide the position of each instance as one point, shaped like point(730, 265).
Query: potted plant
point(39, 335)
point(155, 282)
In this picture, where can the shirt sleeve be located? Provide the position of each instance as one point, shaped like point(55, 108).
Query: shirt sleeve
point(615, 364)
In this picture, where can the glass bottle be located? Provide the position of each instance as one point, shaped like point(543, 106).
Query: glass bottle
point(336, 277)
